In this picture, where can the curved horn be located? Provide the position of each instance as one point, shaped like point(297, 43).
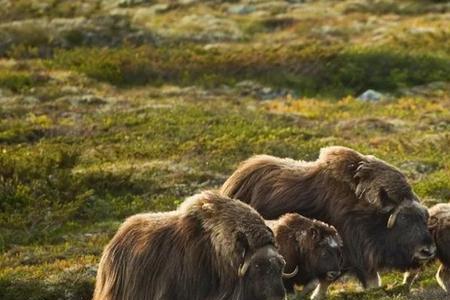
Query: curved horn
point(393, 216)
point(392, 219)
point(290, 275)
point(243, 268)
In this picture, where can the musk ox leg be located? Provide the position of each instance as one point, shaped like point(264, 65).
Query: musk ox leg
point(443, 278)
point(372, 281)
point(409, 278)
point(321, 290)
point(308, 288)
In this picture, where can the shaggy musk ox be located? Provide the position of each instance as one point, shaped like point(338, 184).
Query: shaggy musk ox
point(312, 247)
point(369, 202)
point(338, 180)
point(439, 226)
point(211, 248)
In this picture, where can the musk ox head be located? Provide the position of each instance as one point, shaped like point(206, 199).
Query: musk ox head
point(324, 248)
point(313, 246)
point(382, 184)
point(242, 244)
point(261, 271)
point(409, 240)
point(373, 180)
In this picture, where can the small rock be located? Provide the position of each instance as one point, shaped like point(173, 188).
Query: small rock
point(241, 9)
point(371, 96)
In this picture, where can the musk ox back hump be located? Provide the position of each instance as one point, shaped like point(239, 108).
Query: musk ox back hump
point(191, 251)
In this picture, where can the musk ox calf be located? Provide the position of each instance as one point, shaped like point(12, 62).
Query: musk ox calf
point(439, 226)
point(211, 248)
point(311, 247)
point(369, 202)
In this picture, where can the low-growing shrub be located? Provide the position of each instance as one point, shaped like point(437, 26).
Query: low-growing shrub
point(309, 69)
point(16, 80)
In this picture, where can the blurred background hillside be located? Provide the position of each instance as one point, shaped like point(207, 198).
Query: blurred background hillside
point(109, 108)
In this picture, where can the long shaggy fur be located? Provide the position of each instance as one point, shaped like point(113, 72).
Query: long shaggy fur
point(340, 179)
point(191, 253)
point(311, 245)
point(354, 192)
point(439, 226)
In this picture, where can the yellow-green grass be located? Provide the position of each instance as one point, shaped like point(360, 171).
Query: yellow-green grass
point(89, 136)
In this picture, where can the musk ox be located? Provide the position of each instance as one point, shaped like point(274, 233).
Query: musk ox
point(439, 226)
point(311, 247)
point(368, 201)
point(338, 180)
point(211, 248)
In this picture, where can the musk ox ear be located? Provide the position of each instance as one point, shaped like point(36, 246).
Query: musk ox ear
point(243, 247)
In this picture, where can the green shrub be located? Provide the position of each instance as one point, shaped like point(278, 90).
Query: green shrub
point(309, 69)
point(16, 80)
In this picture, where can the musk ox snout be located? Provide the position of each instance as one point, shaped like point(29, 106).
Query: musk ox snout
point(425, 253)
point(410, 241)
point(333, 275)
point(263, 274)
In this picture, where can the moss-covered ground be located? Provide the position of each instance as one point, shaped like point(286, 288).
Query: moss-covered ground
point(94, 128)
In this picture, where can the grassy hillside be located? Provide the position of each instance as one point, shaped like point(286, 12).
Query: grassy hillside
point(109, 108)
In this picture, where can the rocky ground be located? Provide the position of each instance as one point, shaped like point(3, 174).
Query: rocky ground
point(108, 108)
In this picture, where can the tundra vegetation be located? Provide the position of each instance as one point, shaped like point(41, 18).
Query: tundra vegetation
point(110, 108)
